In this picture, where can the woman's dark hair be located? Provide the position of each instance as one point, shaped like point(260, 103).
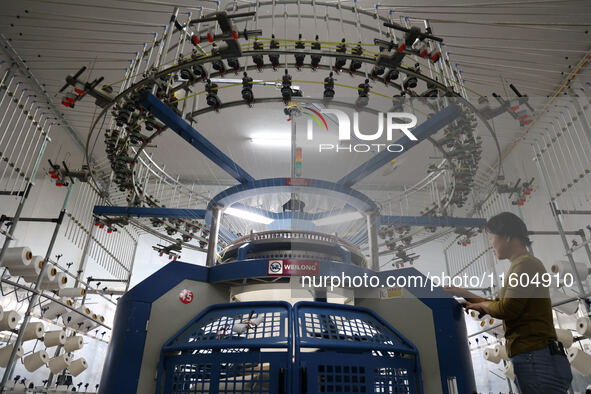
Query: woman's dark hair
point(507, 224)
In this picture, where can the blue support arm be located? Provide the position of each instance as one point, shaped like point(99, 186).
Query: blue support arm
point(193, 137)
point(145, 212)
point(426, 129)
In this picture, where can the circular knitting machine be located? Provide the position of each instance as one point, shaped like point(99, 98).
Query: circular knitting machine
point(326, 199)
point(251, 60)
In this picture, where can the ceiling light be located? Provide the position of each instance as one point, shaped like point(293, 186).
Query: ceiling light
point(344, 217)
point(253, 217)
point(272, 141)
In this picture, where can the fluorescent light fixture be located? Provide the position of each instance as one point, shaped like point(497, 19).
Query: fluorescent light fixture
point(272, 139)
point(253, 217)
point(279, 143)
point(344, 217)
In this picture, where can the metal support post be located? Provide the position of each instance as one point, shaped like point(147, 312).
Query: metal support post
point(131, 266)
point(372, 239)
point(214, 231)
point(84, 257)
point(491, 263)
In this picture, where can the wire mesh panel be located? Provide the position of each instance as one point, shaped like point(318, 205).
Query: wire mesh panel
point(230, 348)
point(345, 349)
point(342, 326)
point(191, 378)
point(338, 372)
point(247, 348)
point(237, 325)
point(249, 372)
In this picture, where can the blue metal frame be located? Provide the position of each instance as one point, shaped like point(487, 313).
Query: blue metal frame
point(450, 331)
point(123, 362)
point(122, 366)
point(225, 367)
point(399, 341)
point(183, 340)
point(146, 212)
point(192, 136)
point(426, 129)
point(176, 341)
point(335, 345)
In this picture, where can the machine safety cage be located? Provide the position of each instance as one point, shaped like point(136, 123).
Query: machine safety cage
point(272, 347)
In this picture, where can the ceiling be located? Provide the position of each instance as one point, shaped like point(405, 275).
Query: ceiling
point(531, 44)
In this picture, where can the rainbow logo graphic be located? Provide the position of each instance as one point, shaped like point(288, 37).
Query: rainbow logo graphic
point(316, 116)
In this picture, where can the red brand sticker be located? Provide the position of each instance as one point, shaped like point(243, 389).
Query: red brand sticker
point(292, 267)
point(186, 296)
point(297, 182)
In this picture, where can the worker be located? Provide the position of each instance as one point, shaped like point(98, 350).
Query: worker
point(524, 305)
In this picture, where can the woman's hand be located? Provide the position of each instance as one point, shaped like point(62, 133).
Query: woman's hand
point(480, 307)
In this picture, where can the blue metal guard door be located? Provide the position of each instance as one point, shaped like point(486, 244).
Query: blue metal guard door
point(347, 349)
point(230, 348)
point(247, 348)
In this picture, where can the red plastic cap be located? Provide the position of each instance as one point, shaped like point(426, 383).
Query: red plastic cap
point(79, 91)
point(435, 57)
point(401, 47)
point(209, 37)
point(234, 34)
